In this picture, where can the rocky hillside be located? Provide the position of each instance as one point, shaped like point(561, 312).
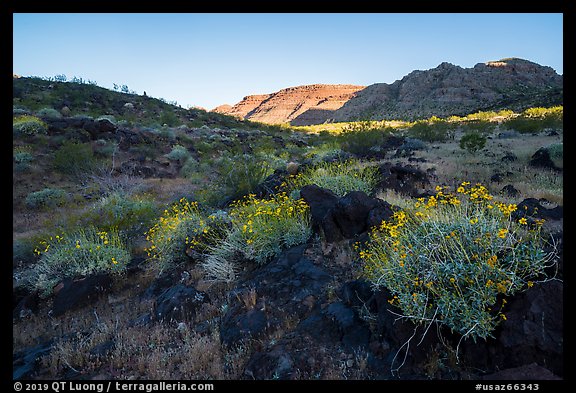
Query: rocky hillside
point(301, 105)
point(442, 91)
point(452, 90)
point(32, 94)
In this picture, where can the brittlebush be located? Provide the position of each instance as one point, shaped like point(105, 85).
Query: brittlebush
point(452, 258)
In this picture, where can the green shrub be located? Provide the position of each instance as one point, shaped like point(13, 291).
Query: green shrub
point(260, 230)
point(204, 147)
point(22, 155)
point(22, 159)
point(74, 158)
point(28, 125)
point(169, 118)
point(23, 250)
point(46, 198)
point(17, 111)
point(484, 127)
point(326, 152)
point(241, 174)
point(524, 125)
point(144, 149)
point(167, 133)
point(339, 177)
point(358, 138)
point(434, 130)
point(49, 113)
point(178, 153)
point(130, 215)
point(104, 148)
point(473, 142)
point(452, 257)
point(190, 169)
point(81, 253)
point(535, 120)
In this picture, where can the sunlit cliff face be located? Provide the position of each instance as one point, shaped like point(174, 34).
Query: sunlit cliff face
point(496, 64)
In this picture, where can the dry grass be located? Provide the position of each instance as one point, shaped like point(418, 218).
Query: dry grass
point(453, 165)
point(394, 198)
point(166, 353)
point(155, 351)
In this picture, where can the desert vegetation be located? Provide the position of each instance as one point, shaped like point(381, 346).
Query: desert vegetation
point(156, 242)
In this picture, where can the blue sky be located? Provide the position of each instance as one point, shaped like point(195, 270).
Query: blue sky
point(211, 59)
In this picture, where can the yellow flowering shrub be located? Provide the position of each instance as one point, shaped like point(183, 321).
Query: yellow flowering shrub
point(180, 226)
point(449, 257)
point(260, 230)
point(81, 253)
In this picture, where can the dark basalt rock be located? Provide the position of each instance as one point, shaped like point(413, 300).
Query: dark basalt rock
point(276, 364)
point(285, 286)
point(238, 325)
point(510, 190)
point(320, 201)
point(404, 179)
point(26, 306)
point(179, 303)
point(271, 184)
point(346, 217)
point(103, 350)
point(351, 213)
point(76, 293)
point(356, 293)
point(531, 208)
point(509, 157)
point(534, 330)
point(529, 372)
point(541, 159)
point(25, 363)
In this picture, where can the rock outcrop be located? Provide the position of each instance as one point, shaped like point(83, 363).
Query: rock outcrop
point(452, 90)
point(301, 105)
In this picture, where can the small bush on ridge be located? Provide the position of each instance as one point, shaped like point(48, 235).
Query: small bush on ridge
point(28, 125)
point(46, 198)
point(49, 113)
point(178, 153)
